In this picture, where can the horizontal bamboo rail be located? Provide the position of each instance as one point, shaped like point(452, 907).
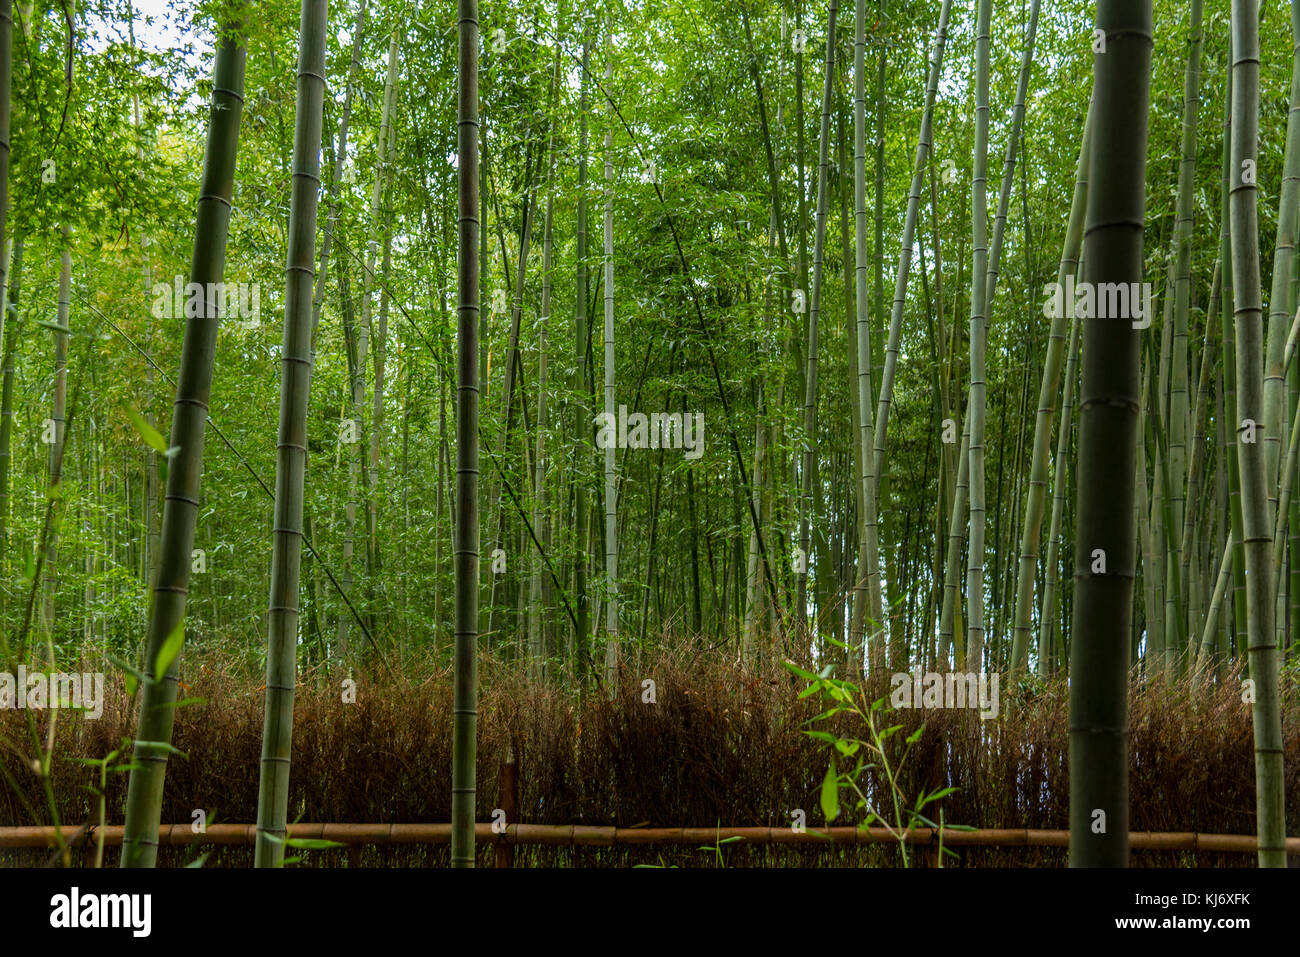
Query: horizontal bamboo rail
point(579, 835)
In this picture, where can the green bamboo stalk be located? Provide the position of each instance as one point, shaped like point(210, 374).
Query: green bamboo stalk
point(291, 442)
point(1048, 628)
point(923, 147)
point(12, 321)
point(582, 417)
point(1216, 603)
point(50, 585)
point(193, 387)
point(867, 588)
point(1109, 424)
point(1035, 500)
point(1287, 480)
point(6, 83)
point(1239, 622)
point(1177, 421)
point(611, 408)
point(1255, 511)
point(340, 163)
point(357, 461)
point(978, 334)
point(536, 638)
point(951, 634)
point(1281, 297)
point(465, 699)
point(814, 308)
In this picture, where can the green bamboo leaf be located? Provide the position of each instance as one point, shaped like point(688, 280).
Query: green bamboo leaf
point(170, 649)
point(807, 675)
point(185, 702)
point(162, 745)
point(133, 675)
point(822, 736)
point(152, 437)
point(311, 843)
point(830, 798)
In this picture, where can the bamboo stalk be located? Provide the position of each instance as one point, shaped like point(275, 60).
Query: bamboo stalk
point(291, 443)
point(1109, 427)
point(1252, 456)
point(466, 543)
point(194, 385)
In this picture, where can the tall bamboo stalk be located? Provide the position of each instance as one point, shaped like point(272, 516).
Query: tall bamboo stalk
point(867, 586)
point(466, 546)
point(814, 310)
point(536, 638)
point(59, 412)
point(1109, 424)
point(1177, 422)
point(1252, 461)
point(12, 320)
point(1281, 297)
point(1062, 319)
point(978, 334)
point(6, 82)
point(880, 433)
point(189, 415)
point(611, 408)
point(291, 441)
point(582, 418)
point(340, 163)
point(1049, 627)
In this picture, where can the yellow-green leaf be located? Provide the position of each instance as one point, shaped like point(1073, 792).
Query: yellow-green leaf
point(170, 649)
point(152, 437)
point(831, 793)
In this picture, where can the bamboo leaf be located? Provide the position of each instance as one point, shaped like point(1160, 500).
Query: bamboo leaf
point(830, 797)
point(170, 649)
point(152, 437)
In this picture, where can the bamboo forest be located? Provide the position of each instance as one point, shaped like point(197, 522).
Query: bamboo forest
point(648, 434)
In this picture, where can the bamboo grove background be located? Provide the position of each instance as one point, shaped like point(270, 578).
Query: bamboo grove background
point(827, 230)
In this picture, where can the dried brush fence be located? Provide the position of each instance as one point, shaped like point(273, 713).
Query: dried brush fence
point(717, 746)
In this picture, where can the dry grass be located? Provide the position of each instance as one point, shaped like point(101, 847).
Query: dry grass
point(718, 746)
